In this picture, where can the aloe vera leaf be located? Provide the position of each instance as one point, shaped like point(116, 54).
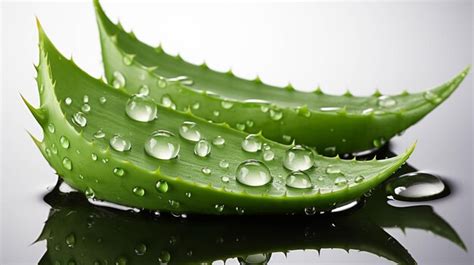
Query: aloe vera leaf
point(90, 165)
point(99, 234)
point(332, 124)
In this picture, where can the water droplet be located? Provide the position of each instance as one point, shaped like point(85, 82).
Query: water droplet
point(225, 179)
point(298, 180)
point(79, 119)
point(119, 171)
point(432, 97)
point(94, 157)
point(219, 207)
point(239, 210)
point(164, 257)
point(254, 259)
point(206, 171)
point(144, 90)
point(340, 181)
point(359, 179)
point(67, 163)
point(196, 105)
point(139, 191)
point(102, 100)
point(368, 111)
point(167, 102)
point(121, 261)
point(141, 108)
point(183, 80)
point(161, 186)
point(118, 80)
point(99, 134)
point(47, 151)
point(128, 59)
point(51, 128)
point(71, 240)
point(118, 143)
point(89, 192)
point(218, 141)
point(379, 142)
point(86, 108)
point(85, 99)
point(310, 210)
point(54, 149)
point(216, 113)
point(276, 115)
point(224, 164)
point(226, 104)
point(140, 249)
point(329, 109)
point(330, 151)
point(68, 101)
point(249, 123)
point(162, 145)
point(253, 173)
point(188, 194)
point(251, 143)
point(189, 131)
point(416, 186)
point(162, 83)
point(333, 170)
point(174, 204)
point(286, 138)
point(64, 142)
point(264, 108)
point(202, 148)
point(386, 102)
point(240, 126)
point(268, 155)
point(298, 158)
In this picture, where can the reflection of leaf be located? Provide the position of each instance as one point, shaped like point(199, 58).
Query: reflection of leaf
point(417, 217)
point(107, 235)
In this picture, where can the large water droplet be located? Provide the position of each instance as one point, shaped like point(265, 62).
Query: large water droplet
point(386, 101)
point(218, 141)
point(161, 186)
point(255, 259)
point(298, 158)
point(251, 143)
point(64, 142)
point(119, 143)
point(118, 80)
point(416, 186)
point(141, 108)
point(79, 119)
point(202, 148)
point(253, 173)
point(162, 145)
point(67, 163)
point(189, 131)
point(298, 180)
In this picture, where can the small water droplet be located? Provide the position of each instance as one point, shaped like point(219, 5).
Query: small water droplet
point(276, 115)
point(416, 186)
point(264, 108)
point(225, 179)
point(333, 170)
point(298, 158)
point(141, 108)
point(167, 102)
point(432, 97)
point(85, 99)
point(89, 192)
point(183, 80)
point(51, 128)
point(119, 143)
point(219, 208)
point(253, 173)
point(218, 141)
point(67, 163)
point(239, 210)
point(251, 143)
point(121, 261)
point(202, 148)
point(99, 134)
point(118, 80)
point(196, 105)
point(54, 149)
point(139, 191)
point(102, 100)
point(379, 142)
point(298, 180)
point(189, 131)
point(64, 142)
point(224, 164)
point(71, 240)
point(47, 151)
point(386, 102)
point(94, 157)
point(330, 151)
point(310, 210)
point(359, 179)
point(249, 123)
point(128, 59)
point(68, 101)
point(162, 83)
point(144, 90)
point(174, 204)
point(240, 126)
point(188, 194)
point(164, 257)
point(86, 108)
point(119, 171)
point(286, 138)
point(79, 119)
point(227, 104)
point(162, 145)
point(206, 171)
point(340, 181)
point(161, 186)
point(216, 113)
point(254, 259)
point(368, 111)
point(268, 155)
point(140, 249)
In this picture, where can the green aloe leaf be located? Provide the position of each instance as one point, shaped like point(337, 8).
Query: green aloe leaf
point(331, 124)
point(80, 232)
point(97, 148)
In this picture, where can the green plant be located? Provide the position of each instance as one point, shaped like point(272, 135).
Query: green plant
point(331, 124)
point(91, 141)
